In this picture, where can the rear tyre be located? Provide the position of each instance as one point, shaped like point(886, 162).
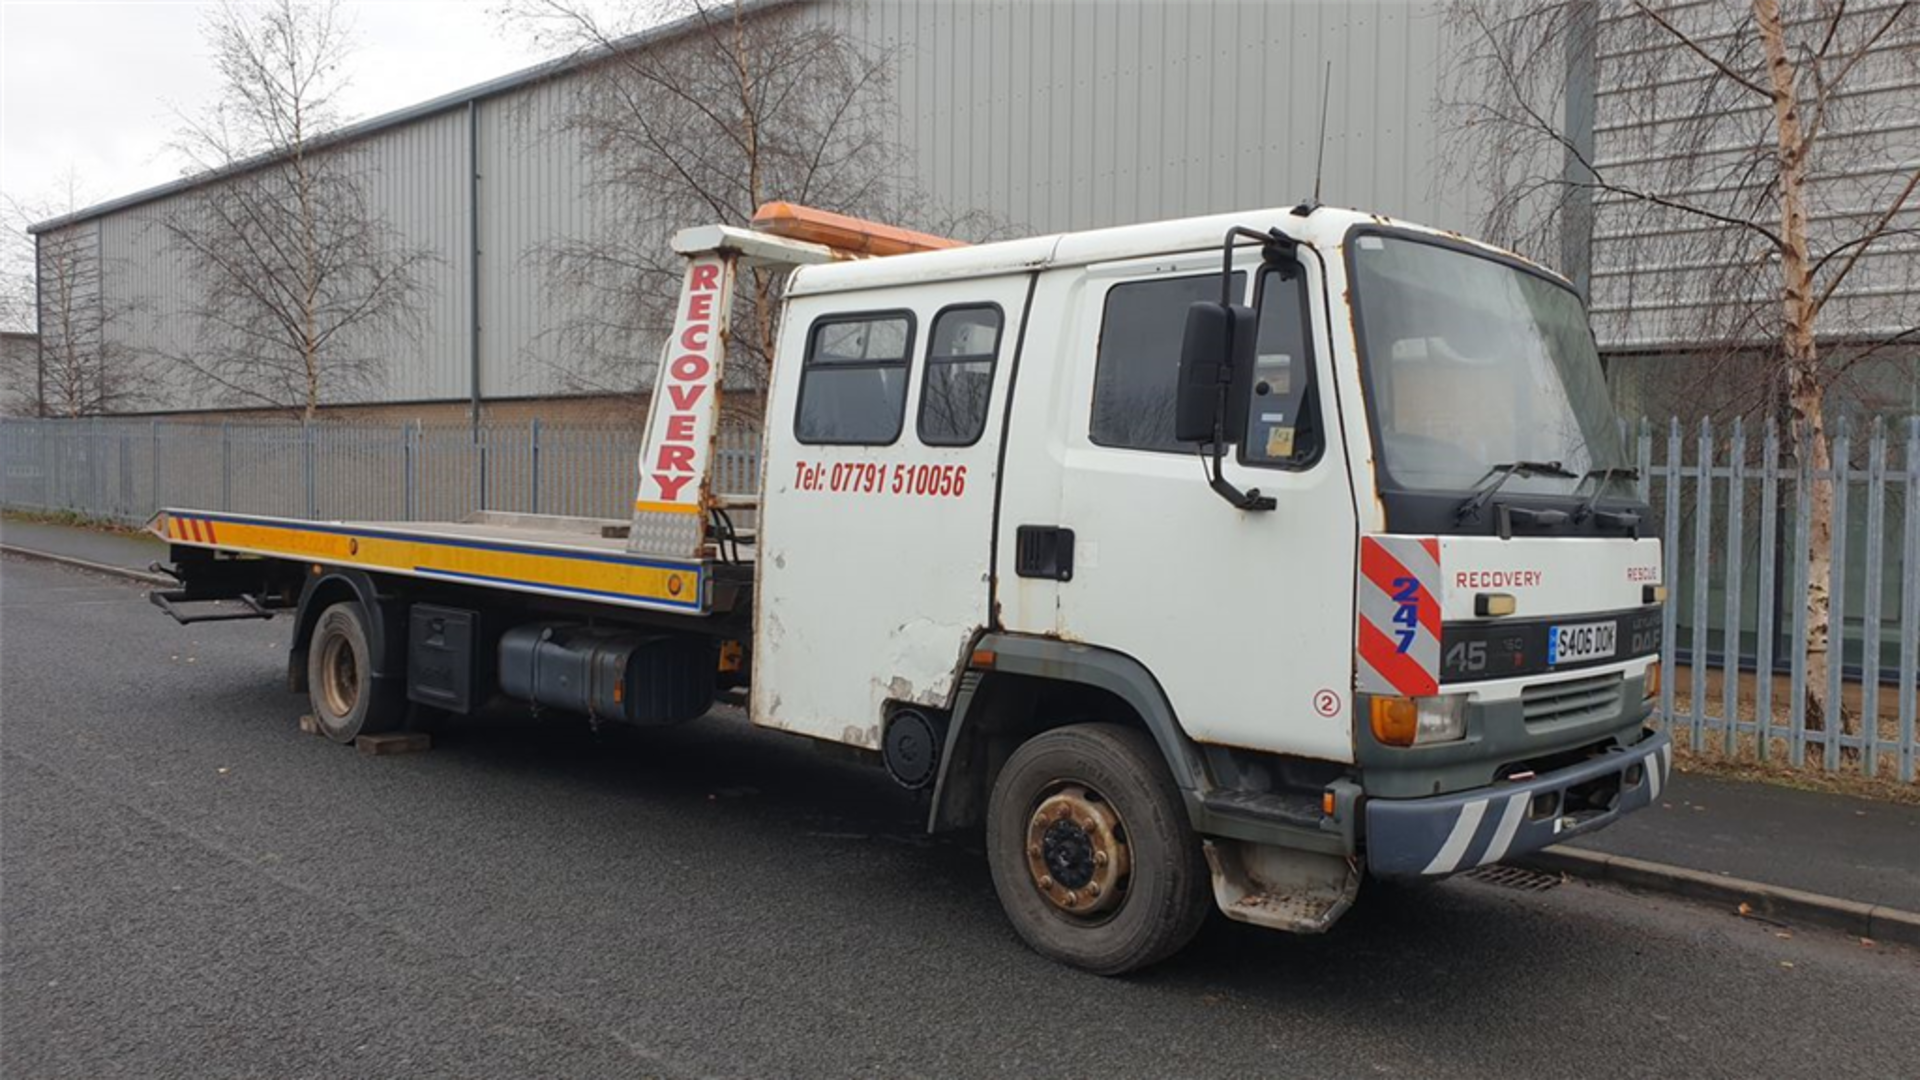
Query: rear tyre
point(347, 700)
point(1091, 851)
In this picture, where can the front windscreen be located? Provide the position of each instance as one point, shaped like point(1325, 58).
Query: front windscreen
point(1472, 362)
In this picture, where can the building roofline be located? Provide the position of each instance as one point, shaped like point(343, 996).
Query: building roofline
point(445, 103)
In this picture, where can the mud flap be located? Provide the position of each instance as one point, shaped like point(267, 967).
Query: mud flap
point(1280, 888)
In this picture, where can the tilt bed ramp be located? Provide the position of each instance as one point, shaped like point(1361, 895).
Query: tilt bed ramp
point(1184, 559)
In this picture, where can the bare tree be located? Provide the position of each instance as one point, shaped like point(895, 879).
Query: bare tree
point(735, 108)
point(1754, 164)
point(81, 366)
point(304, 286)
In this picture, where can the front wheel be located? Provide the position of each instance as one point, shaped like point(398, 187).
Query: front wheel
point(1091, 852)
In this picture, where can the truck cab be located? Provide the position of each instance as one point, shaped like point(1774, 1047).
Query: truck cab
point(1403, 623)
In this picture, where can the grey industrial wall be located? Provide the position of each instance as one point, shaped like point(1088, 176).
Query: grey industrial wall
point(1061, 115)
point(1646, 297)
point(1052, 116)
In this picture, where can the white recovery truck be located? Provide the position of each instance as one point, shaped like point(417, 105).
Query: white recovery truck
point(1222, 561)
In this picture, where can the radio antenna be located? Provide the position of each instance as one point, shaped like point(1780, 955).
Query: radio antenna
point(1320, 159)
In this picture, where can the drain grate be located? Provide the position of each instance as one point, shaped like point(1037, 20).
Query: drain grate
point(1514, 877)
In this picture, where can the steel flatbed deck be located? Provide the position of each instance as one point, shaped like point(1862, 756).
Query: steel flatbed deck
point(572, 558)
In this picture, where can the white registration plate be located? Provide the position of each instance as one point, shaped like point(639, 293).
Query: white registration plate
point(1581, 641)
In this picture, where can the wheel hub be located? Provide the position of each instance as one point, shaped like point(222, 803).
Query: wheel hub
point(341, 675)
point(1077, 851)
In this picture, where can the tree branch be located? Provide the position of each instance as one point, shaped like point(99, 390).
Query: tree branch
point(1701, 52)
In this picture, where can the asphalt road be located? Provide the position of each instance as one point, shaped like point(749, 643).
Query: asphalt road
point(190, 887)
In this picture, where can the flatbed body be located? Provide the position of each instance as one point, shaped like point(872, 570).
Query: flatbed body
point(562, 557)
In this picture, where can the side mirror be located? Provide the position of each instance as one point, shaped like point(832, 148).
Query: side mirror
point(1216, 354)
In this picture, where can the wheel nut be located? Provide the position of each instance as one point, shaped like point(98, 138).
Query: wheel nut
point(1033, 850)
point(1099, 858)
point(1046, 883)
point(1073, 898)
point(1093, 889)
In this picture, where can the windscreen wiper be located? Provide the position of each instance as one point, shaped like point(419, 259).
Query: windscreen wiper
point(1499, 475)
point(1601, 476)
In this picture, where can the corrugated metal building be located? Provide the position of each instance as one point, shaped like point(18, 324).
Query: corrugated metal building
point(1690, 308)
point(1051, 116)
point(1062, 115)
point(19, 356)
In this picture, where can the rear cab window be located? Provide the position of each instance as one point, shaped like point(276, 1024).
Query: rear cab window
point(853, 381)
point(958, 381)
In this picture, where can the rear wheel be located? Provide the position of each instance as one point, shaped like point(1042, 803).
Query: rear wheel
point(1091, 852)
point(347, 700)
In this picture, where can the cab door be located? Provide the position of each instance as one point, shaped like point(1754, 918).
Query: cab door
point(883, 435)
point(1243, 617)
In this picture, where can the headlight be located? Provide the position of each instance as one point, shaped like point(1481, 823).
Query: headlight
point(1400, 721)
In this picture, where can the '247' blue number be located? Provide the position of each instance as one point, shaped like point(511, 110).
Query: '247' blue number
point(1406, 617)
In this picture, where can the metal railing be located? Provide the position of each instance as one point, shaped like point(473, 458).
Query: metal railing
point(125, 470)
point(1732, 507)
point(1736, 516)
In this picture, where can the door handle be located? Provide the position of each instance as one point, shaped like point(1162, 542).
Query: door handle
point(1043, 551)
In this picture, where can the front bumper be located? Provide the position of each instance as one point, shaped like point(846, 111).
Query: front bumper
point(1445, 834)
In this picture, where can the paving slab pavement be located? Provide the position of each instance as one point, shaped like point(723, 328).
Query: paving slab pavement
point(1852, 848)
point(131, 552)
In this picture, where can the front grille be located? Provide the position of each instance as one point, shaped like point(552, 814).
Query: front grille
point(1575, 699)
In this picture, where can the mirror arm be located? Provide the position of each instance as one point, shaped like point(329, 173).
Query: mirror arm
point(1241, 500)
point(1217, 480)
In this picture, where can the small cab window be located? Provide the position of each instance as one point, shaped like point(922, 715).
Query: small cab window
point(853, 383)
point(1136, 373)
point(959, 375)
point(1283, 423)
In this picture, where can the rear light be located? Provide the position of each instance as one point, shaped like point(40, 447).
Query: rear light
point(1401, 721)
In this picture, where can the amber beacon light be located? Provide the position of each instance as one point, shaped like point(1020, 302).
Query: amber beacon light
point(852, 235)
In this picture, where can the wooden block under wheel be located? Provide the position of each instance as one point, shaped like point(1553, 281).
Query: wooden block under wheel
point(399, 742)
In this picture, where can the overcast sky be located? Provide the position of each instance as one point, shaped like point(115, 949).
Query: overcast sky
point(94, 86)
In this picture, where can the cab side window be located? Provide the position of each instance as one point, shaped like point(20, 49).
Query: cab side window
point(959, 375)
point(1136, 373)
point(853, 382)
point(1283, 411)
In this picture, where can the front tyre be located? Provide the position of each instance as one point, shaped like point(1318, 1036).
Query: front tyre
point(1091, 852)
